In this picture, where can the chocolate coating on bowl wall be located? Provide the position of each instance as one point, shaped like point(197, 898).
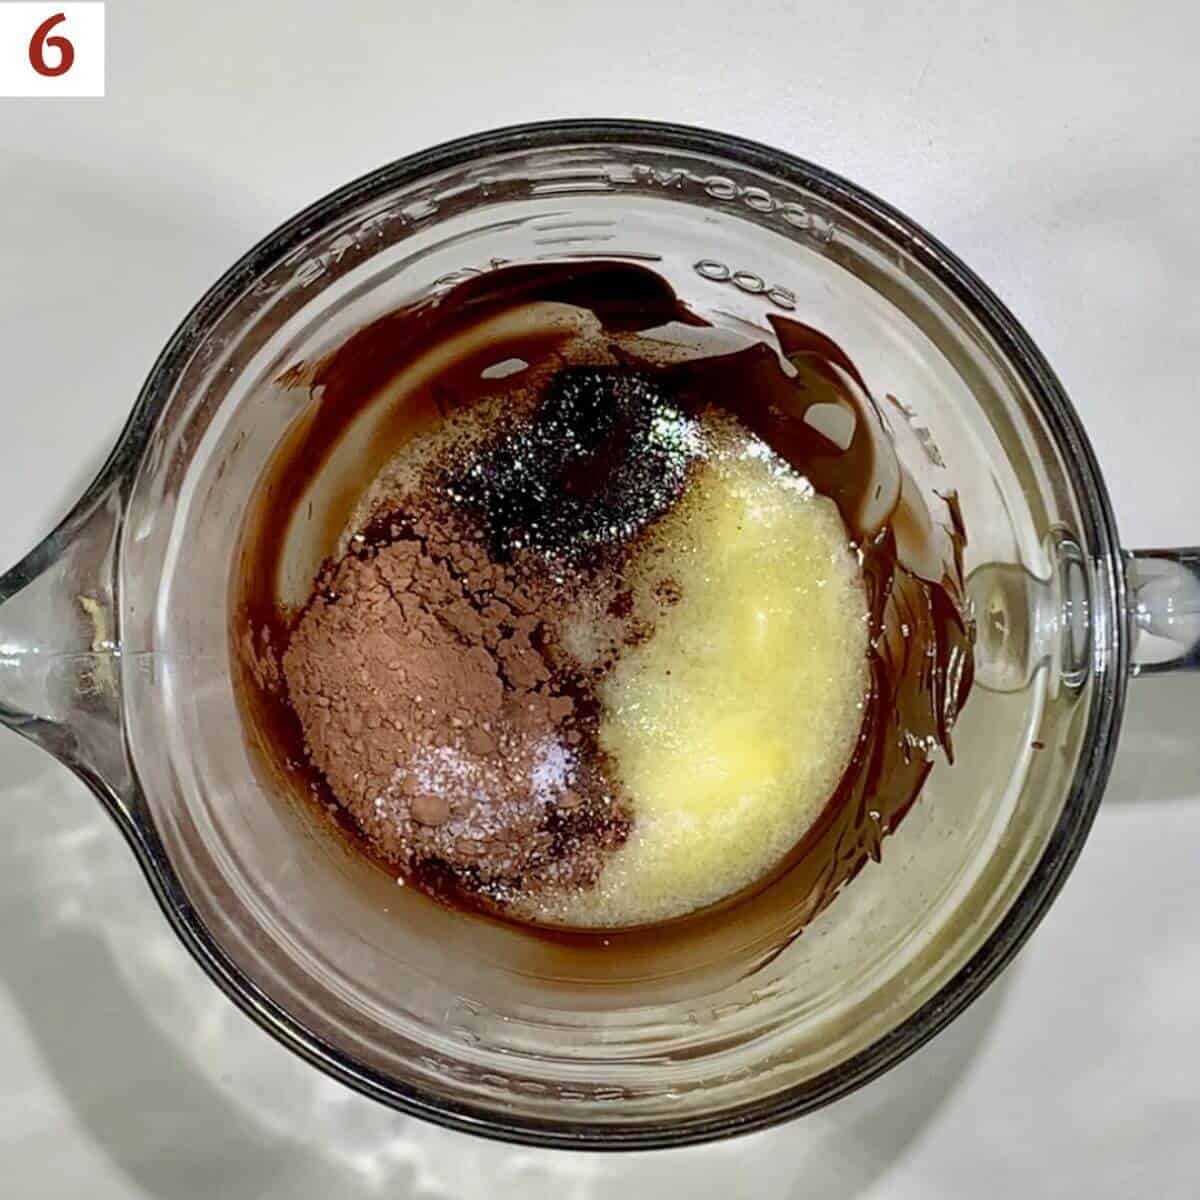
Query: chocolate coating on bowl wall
point(920, 660)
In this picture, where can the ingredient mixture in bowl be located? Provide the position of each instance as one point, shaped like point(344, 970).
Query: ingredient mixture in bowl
point(622, 615)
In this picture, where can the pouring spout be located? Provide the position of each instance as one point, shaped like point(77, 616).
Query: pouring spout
point(60, 644)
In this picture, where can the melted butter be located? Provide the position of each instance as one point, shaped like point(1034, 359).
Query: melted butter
point(731, 726)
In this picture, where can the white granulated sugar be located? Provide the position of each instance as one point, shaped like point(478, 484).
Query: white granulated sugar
point(552, 772)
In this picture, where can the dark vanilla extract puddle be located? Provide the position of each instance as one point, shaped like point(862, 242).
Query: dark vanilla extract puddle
point(539, 675)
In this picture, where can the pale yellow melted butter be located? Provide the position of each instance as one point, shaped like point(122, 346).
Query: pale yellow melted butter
point(729, 728)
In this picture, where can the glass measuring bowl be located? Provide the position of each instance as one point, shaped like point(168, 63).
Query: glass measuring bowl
point(114, 653)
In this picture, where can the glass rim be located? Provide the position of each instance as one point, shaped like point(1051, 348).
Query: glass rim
point(1110, 641)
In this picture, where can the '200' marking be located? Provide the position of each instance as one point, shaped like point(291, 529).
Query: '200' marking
point(746, 281)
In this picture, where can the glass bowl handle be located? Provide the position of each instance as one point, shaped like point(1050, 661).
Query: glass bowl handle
point(1164, 600)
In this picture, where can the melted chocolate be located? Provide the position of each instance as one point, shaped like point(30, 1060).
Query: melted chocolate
point(795, 392)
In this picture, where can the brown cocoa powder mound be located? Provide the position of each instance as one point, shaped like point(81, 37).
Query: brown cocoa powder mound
point(429, 683)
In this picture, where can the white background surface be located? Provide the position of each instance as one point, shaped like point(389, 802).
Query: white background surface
point(1055, 146)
